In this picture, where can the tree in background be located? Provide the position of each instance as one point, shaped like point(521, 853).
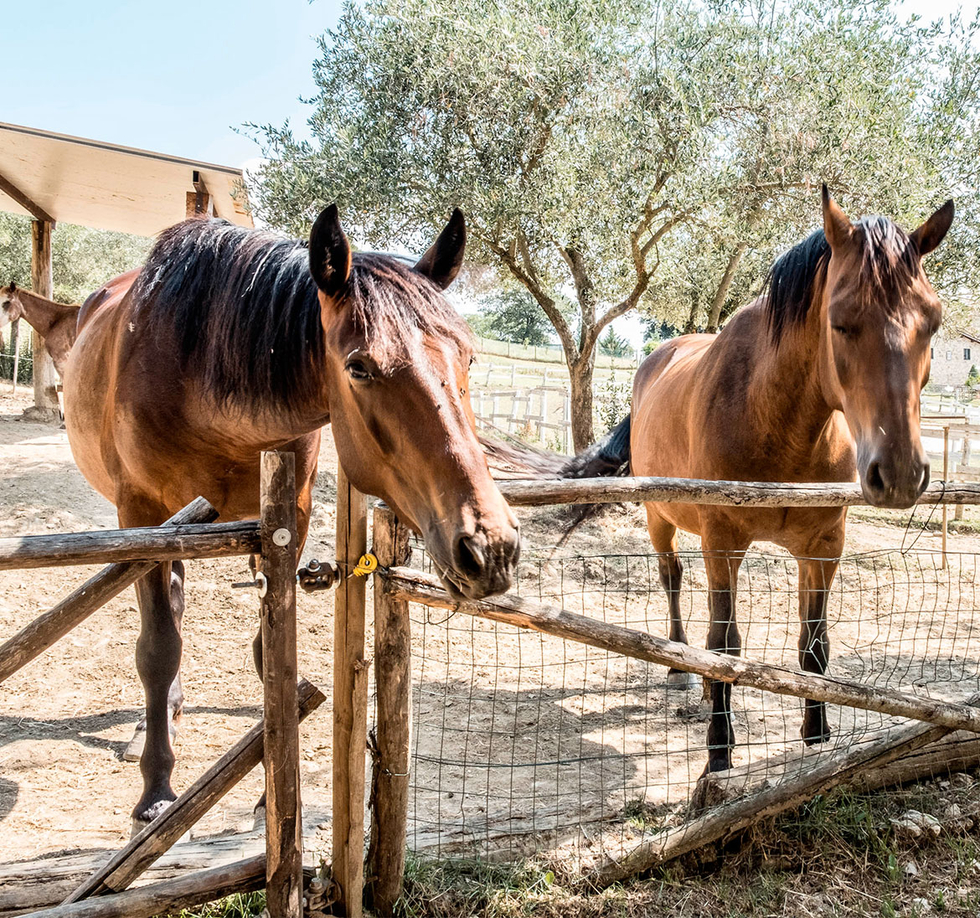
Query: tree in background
point(511, 315)
point(572, 135)
point(613, 345)
point(610, 153)
point(83, 259)
point(884, 110)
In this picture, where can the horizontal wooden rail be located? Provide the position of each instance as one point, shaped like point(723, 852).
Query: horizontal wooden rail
point(528, 493)
point(46, 629)
point(150, 543)
point(406, 583)
point(168, 895)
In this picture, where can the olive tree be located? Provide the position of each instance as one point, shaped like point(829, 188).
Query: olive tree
point(574, 136)
point(612, 154)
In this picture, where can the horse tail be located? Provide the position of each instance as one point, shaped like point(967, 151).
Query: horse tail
point(607, 458)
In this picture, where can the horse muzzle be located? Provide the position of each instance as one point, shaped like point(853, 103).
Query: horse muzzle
point(888, 480)
point(478, 563)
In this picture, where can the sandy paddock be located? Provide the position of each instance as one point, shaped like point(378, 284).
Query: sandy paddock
point(520, 742)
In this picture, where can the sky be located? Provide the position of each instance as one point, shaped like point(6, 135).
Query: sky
point(173, 77)
point(181, 77)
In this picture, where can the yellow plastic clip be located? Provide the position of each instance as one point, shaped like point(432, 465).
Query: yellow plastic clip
point(367, 564)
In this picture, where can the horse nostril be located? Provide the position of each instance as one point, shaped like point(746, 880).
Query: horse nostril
point(470, 555)
point(873, 477)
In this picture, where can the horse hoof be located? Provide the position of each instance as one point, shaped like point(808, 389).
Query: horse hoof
point(141, 821)
point(681, 681)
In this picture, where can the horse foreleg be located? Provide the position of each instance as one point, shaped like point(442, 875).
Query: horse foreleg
point(722, 571)
point(816, 576)
point(158, 662)
point(175, 699)
point(663, 535)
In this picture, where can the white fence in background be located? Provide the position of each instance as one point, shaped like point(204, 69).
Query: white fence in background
point(540, 414)
point(550, 353)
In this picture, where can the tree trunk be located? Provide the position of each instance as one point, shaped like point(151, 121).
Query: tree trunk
point(721, 293)
point(691, 325)
point(580, 374)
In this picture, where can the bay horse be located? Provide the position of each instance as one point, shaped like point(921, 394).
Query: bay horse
point(231, 341)
point(54, 322)
point(818, 380)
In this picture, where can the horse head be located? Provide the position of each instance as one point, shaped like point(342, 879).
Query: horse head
point(879, 315)
point(398, 358)
point(10, 305)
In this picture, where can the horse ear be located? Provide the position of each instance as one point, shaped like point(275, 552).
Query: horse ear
point(837, 227)
point(329, 252)
point(934, 230)
point(441, 263)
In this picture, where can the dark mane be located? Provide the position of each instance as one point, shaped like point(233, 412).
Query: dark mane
point(889, 262)
point(243, 312)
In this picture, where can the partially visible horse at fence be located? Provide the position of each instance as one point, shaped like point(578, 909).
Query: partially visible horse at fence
point(55, 322)
point(232, 341)
point(817, 380)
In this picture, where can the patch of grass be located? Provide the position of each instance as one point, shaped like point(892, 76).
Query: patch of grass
point(468, 887)
point(244, 905)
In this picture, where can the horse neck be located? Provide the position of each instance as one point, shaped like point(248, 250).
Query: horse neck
point(41, 312)
point(788, 391)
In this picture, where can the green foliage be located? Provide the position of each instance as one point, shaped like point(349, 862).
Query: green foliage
point(511, 315)
point(614, 345)
point(612, 402)
point(973, 377)
point(82, 258)
point(611, 154)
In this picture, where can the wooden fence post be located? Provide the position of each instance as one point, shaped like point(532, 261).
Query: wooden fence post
point(393, 681)
point(350, 684)
point(284, 823)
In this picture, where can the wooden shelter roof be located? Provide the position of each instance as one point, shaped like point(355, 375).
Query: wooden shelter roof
point(57, 177)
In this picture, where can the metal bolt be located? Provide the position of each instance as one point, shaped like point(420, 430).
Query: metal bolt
point(282, 537)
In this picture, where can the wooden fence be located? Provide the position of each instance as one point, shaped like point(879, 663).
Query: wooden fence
point(288, 698)
point(395, 585)
point(130, 554)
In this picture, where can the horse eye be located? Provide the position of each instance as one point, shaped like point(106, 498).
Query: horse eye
point(844, 330)
point(357, 369)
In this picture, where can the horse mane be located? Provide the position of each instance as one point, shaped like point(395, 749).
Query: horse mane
point(889, 262)
point(242, 311)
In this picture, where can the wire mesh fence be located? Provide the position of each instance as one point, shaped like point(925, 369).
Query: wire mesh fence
point(524, 743)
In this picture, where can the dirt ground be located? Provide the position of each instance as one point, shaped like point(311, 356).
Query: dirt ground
point(514, 735)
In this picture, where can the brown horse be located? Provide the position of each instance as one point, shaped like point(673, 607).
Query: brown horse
point(54, 322)
point(231, 341)
point(817, 380)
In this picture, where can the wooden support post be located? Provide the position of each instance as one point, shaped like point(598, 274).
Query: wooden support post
point(350, 671)
point(168, 896)
point(40, 634)
point(198, 203)
point(945, 478)
point(15, 345)
point(284, 823)
point(129, 863)
point(46, 405)
point(393, 681)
